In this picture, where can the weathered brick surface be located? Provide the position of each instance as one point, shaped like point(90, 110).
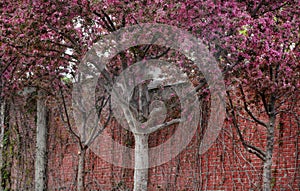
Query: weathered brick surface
point(226, 165)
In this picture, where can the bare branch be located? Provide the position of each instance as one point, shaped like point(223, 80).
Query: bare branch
point(248, 111)
point(109, 20)
point(263, 98)
point(67, 116)
point(250, 148)
point(191, 93)
point(161, 54)
point(95, 134)
point(8, 65)
point(160, 126)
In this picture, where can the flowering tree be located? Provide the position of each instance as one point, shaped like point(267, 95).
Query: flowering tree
point(255, 41)
point(257, 44)
point(265, 50)
point(34, 55)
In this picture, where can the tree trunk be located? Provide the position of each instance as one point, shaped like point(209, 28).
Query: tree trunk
point(141, 162)
point(267, 168)
point(81, 169)
point(2, 118)
point(41, 143)
point(7, 153)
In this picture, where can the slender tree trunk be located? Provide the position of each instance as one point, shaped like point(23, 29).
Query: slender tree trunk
point(141, 162)
point(7, 154)
point(41, 143)
point(267, 168)
point(81, 169)
point(2, 118)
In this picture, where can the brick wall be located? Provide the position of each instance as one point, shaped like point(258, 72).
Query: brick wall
point(226, 165)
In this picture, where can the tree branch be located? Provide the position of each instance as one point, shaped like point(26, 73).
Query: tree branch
point(250, 148)
point(160, 126)
point(254, 12)
point(5, 68)
point(67, 116)
point(263, 98)
point(64, 35)
point(108, 24)
point(95, 134)
point(248, 111)
point(109, 21)
point(161, 54)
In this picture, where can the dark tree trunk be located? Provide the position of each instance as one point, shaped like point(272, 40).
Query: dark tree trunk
point(267, 167)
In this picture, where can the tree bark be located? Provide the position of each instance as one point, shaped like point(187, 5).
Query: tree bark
point(141, 162)
point(267, 167)
point(81, 169)
point(2, 118)
point(41, 143)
